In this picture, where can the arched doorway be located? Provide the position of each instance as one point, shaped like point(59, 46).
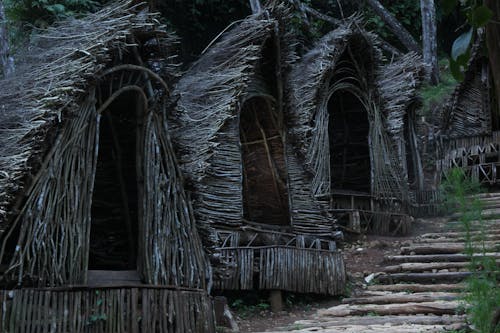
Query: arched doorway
point(348, 131)
point(265, 195)
point(115, 217)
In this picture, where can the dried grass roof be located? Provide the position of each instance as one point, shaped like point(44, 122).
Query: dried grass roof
point(386, 90)
point(204, 125)
point(54, 74)
point(468, 110)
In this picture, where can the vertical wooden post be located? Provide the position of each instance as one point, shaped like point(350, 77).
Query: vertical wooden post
point(276, 301)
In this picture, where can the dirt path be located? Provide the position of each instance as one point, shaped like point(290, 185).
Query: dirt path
point(409, 284)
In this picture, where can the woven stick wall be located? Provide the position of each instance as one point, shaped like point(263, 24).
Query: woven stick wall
point(113, 310)
point(206, 121)
point(348, 59)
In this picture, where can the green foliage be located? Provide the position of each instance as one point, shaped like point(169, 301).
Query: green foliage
point(41, 13)
point(434, 96)
point(407, 13)
point(97, 312)
point(245, 309)
point(477, 16)
point(25, 15)
point(482, 292)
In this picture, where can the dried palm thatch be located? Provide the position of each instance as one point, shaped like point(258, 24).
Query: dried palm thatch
point(52, 114)
point(206, 120)
point(249, 189)
point(336, 85)
point(468, 111)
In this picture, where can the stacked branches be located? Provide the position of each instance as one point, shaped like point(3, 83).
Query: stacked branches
point(467, 112)
point(206, 121)
point(335, 64)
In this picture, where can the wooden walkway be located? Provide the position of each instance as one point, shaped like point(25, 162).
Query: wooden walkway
point(418, 290)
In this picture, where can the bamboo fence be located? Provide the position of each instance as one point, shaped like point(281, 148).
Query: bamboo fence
point(114, 310)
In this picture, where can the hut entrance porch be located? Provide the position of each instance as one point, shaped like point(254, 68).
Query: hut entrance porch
point(348, 130)
point(265, 195)
point(115, 217)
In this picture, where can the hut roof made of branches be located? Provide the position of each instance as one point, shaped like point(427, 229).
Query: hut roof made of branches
point(385, 89)
point(468, 111)
point(210, 96)
point(53, 75)
point(315, 70)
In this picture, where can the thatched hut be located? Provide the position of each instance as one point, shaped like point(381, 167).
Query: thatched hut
point(353, 121)
point(96, 230)
point(470, 129)
point(251, 198)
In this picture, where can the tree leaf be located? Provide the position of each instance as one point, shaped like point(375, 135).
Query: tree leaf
point(481, 16)
point(448, 6)
point(461, 44)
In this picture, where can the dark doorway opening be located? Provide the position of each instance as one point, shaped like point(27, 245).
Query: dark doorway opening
point(113, 236)
point(265, 195)
point(349, 148)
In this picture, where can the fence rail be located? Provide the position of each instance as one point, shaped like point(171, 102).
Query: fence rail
point(105, 310)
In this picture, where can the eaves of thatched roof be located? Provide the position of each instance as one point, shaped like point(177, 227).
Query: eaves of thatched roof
point(310, 76)
point(54, 74)
point(467, 112)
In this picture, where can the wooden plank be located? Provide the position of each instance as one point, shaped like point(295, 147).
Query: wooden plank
point(427, 258)
point(423, 277)
point(403, 298)
point(437, 307)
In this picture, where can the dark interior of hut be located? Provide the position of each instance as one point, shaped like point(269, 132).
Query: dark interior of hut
point(265, 197)
point(113, 236)
point(349, 148)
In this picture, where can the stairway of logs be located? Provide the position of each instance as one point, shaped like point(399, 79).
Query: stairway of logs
point(418, 290)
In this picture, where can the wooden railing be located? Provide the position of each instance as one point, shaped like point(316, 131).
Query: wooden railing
point(303, 270)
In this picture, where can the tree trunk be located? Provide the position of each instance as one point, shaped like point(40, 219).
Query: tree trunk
point(397, 29)
point(6, 61)
point(429, 40)
point(256, 6)
point(493, 41)
point(304, 9)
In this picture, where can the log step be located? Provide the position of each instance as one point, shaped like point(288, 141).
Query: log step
point(411, 287)
point(436, 307)
point(459, 240)
point(394, 298)
point(444, 248)
point(423, 267)
point(387, 328)
point(373, 320)
point(423, 277)
point(458, 234)
point(427, 258)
